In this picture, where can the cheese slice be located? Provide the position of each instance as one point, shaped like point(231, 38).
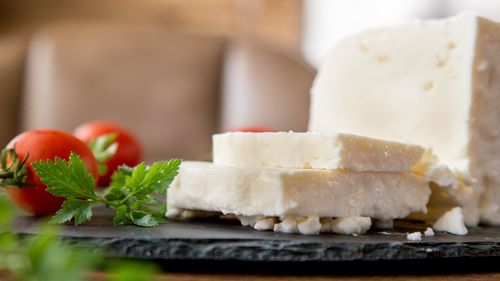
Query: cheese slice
point(277, 192)
point(314, 150)
point(435, 83)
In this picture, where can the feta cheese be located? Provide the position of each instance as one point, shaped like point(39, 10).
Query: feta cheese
point(278, 192)
point(434, 83)
point(314, 150)
point(264, 224)
point(429, 232)
point(452, 222)
point(351, 225)
point(414, 236)
point(287, 225)
point(247, 220)
point(309, 226)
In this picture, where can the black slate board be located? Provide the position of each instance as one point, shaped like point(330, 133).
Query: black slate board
point(219, 240)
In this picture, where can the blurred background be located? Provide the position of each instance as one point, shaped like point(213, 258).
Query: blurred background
point(177, 71)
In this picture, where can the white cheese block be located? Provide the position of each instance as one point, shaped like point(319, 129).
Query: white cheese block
point(314, 150)
point(435, 83)
point(277, 192)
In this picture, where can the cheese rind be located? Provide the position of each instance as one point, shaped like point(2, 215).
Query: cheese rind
point(277, 192)
point(434, 83)
point(314, 150)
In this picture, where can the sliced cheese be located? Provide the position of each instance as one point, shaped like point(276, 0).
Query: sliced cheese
point(435, 83)
point(314, 150)
point(277, 192)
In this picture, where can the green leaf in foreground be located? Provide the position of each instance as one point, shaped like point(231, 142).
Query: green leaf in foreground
point(132, 193)
point(66, 179)
point(79, 210)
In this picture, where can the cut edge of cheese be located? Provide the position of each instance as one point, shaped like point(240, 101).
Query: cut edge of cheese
point(314, 150)
point(276, 192)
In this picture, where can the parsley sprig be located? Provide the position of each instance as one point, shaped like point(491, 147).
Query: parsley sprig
point(132, 193)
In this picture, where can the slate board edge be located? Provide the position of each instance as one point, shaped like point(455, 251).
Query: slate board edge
point(281, 251)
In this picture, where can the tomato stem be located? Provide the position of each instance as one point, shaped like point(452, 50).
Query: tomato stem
point(13, 173)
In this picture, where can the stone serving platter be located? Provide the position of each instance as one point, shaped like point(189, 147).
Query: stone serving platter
point(226, 240)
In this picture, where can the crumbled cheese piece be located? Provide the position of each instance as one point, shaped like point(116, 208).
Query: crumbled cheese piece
point(414, 236)
point(351, 225)
point(452, 222)
point(249, 220)
point(429, 232)
point(310, 226)
point(264, 224)
point(287, 225)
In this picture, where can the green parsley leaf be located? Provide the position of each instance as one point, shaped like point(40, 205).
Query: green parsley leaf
point(80, 210)
point(142, 218)
point(132, 193)
point(66, 179)
point(144, 180)
point(121, 216)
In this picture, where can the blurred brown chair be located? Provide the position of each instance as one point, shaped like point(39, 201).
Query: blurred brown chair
point(173, 90)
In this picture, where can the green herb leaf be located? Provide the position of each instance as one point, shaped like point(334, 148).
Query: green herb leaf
point(80, 210)
point(66, 179)
point(142, 218)
point(131, 194)
point(121, 216)
point(156, 178)
point(135, 189)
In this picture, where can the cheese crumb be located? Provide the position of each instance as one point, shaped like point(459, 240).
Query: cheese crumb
point(287, 225)
point(310, 226)
point(452, 222)
point(264, 224)
point(429, 232)
point(248, 220)
point(351, 225)
point(414, 236)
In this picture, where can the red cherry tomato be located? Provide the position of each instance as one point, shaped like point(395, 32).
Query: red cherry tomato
point(45, 145)
point(129, 150)
point(254, 129)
